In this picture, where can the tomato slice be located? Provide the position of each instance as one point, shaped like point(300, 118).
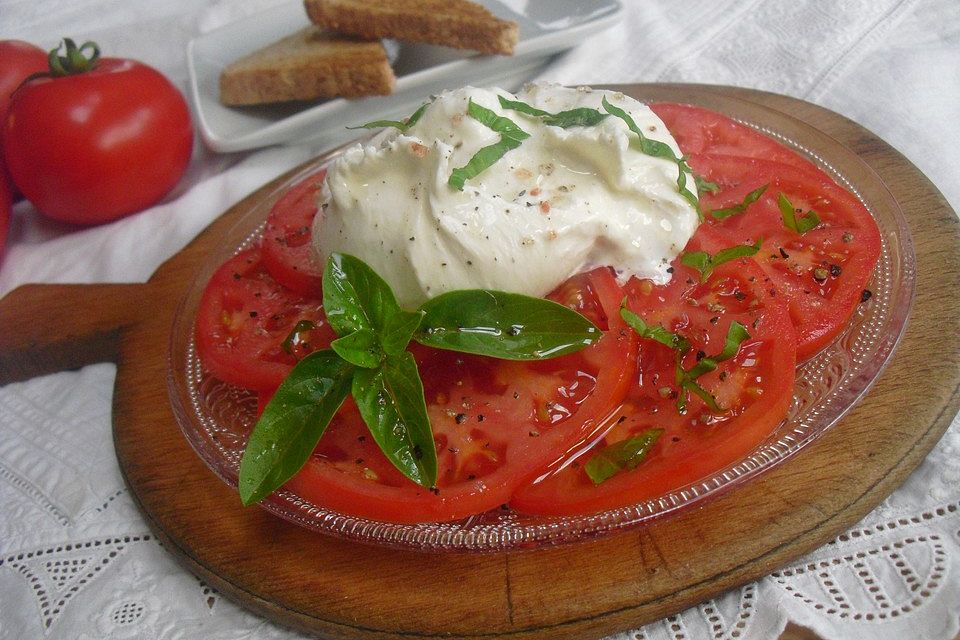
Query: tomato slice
point(698, 131)
point(287, 250)
point(244, 318)
point(754, 389)
point(821, 273)
point(520, 433)
point(496, 423)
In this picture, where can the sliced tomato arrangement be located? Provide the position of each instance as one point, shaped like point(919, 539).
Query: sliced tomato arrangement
point(821, 273)
point(523, 433)
point(246, 329)
point(496, 423)
point(699, 131)
point(752, 389)
point(287, 252)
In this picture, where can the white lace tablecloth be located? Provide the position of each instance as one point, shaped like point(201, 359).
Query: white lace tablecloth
point(76, 559)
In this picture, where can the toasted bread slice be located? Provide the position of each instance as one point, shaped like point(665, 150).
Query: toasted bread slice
point(312, 63)
point(454, 23)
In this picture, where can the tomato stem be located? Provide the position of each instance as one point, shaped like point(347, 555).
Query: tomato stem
point(75, 61)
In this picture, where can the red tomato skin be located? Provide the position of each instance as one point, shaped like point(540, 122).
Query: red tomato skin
point(18, 60)
point(242, 320)
point(699, 131)
point(286, 246)
point(335, 477)
point(820, 311)
point(6, 202)
point(690, 448)
point(93, 147)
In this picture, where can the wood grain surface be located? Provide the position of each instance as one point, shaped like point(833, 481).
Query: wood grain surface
point(341, 589)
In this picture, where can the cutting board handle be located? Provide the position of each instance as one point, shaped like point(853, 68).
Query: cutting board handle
point(46, 328)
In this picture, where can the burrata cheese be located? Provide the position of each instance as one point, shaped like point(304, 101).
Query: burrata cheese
point(562, 202)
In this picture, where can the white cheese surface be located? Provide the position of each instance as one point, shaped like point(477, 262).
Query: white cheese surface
point(564, 201)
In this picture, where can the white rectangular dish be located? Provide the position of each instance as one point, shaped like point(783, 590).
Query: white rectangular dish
point(547, 27)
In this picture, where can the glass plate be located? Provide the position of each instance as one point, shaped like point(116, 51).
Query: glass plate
point(216, 418)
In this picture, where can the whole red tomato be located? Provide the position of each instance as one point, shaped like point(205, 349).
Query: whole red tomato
point(99, 139)
point(18, 60)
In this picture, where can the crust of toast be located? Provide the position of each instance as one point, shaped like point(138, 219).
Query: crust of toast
point(310, 64)
point(453, 23)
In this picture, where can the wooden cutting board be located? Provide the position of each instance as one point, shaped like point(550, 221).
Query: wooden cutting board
point(346, 590)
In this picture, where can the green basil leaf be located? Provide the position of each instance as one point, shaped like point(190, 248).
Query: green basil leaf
point(652, 332)
point(790, 220)
point(390, 400)
point(738, 251)
point(621, 456)
point(579, 117)
point(705, 263)
point(402, 125)
point(354, 296)
point(680, 375)
point(686, 193)
point(360, 348)
point(503, 325)
point(736, 334)
point(292, 423)
point(398, 331)
point(705, 185)
point(510, 138)
point(522, 107)
point(748, 199)
point(704, 395)
point(657, 149)
point(699, 260)
point(678, 343)
point(499, 124)
point(480, 162)
point(649, 146)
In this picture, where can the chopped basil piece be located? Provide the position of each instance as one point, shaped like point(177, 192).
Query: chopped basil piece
point(687, 380)
point(658, 149)
point(736, 334)
point(702, 393)
point(653, 332)
point(510, 138)
point(736, 209)
point(705, 263)
point(402, 125)
point(649, 146)
point(620, 456)
point(579, 117)
point(705, 185)
point(799, 224)
point(522, 107)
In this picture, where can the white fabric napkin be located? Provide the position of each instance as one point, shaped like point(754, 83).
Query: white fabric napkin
point(76, 558)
